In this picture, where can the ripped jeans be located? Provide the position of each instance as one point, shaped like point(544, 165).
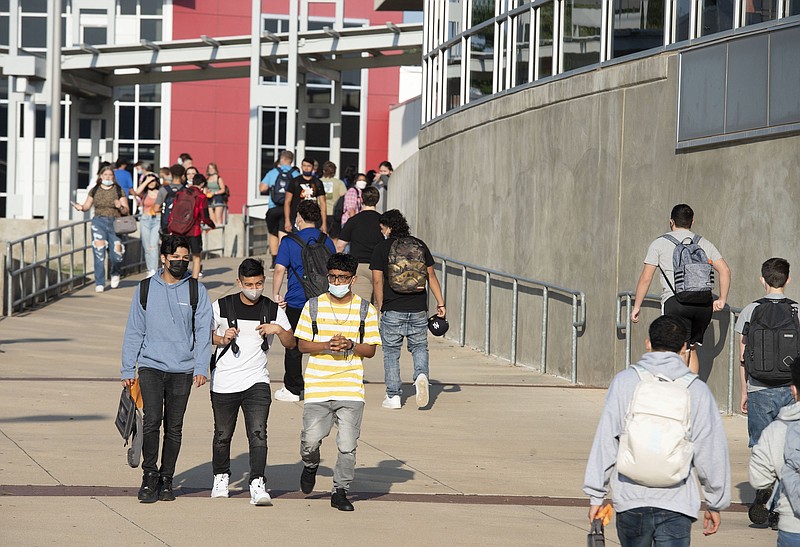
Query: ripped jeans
point(103, 237)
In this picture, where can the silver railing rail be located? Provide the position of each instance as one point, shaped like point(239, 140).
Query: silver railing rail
point(250, 228)
point(208, 251)
point(578, 308)
point(625, 302)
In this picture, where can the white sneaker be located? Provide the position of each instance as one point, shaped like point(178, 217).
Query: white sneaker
point(258, 493)
point(114, 281)
point(391, 402)
point(284, 394)
point(99, 288)
point(220, 488)
point(422, 390)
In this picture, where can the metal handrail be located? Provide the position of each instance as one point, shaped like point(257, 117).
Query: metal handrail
point(578, 308)
point(247, 225)
point(624, 325)
point(207, 250)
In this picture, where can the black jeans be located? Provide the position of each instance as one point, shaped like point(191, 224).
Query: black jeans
point(254, 403)
point(293, 359)
point(165, 395)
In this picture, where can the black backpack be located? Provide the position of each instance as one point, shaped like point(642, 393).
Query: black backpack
point(144, 290)
point(315, 265)
point(338, 210)
point(278, 190)
point(773, 341)
point(227, 309)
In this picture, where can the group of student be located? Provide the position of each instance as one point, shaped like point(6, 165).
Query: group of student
point(172, 326)
point(660, 429)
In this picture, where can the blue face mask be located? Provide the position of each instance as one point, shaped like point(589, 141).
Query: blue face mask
point(308, 173)
point(106, 182)
point(339, 291)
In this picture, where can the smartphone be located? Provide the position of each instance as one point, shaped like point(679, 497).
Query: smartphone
point(75, 204)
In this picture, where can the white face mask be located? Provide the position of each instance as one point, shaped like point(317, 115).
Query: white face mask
point(361, 184)
point(105, 182)
point(251, 294)
point(339, 291)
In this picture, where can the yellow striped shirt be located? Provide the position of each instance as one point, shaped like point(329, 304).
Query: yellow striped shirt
point(336, 376)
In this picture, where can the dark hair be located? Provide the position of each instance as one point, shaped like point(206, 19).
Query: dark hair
point(328, 169)
point(349, 174)
point(682, 215)
point(103, 165)
point(775, 272)
point(370, 196)
point(185, 156)
point(309, 161)
point(359, 175)
point(396, 222)
point(667, 333)
point(152, 176)
point(177, 171)
point(171, 242)
point(250, 267)
point(386, 164)
point(121, 161)
point(371, 175)
point(199, 180)
point(343, 261)
point(309, 211)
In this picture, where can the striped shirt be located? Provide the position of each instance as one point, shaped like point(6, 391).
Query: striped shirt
point(336, 376)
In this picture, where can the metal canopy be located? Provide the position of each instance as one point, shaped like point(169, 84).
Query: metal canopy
point(93, 71)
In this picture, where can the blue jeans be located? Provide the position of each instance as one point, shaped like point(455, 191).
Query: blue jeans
point(763, 407)
point(104, 237)
point(318, 420)
point(149, 227)
point(165, 396)
point(394, 326)
point(788, 539)
point(254, 402)
point(647, 526)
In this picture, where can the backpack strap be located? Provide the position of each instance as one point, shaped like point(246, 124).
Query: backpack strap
point(230, 315)
point(269, 313)
point(193, 298)
point(313, 308)
point(645, 374)
point(144, 290)
point(363, 317)
point(299, 240)
point(686, 379)
point(696, 239)
point(671, 239)
point(667, 280)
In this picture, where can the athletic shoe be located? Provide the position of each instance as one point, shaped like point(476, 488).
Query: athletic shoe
point(422, 390)
point(114, 281)
point(308, 479)
point(285, 395)
point(258, 493)
point(148, 493)
point(339, 500)
point(220, 488)
point(391, 402)
point(99, 288)
point(758, 511)
point(165, 492)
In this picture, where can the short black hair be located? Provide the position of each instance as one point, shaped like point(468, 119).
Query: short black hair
point(171, 242)
point(309, 211)
point(121, 161)
point(387, 164)
point(185, 156)
point(370, 196)
point(775, 272)
point(177, 171)
point(396, 222)
point(308, 160)
point(344, 262)
point(682, 215)
point(250, 267)
point(667, 333)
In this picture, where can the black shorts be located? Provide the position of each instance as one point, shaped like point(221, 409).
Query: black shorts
point(275, 220)
point(195, 244)
point(695, 318)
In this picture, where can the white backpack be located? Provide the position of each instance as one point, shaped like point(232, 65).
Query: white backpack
point(655, 448)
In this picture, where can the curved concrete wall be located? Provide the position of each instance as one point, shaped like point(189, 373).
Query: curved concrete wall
point(570, 181)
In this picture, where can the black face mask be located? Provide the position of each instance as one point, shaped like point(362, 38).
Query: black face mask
point(177, 268)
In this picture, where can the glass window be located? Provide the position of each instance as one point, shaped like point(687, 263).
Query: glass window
point(3, 202)
point(84, 128)
point(545, 34)
point(33, 6)
point(4, 5)
point(351, 100)
point(3, 88)
point(481, 62)
point(151, 7)
point(637, 25)
point(94, 36)
point(348, 158)
point(41, 121)
point(83, 172)
point(268, 127)
point(793, 8)
point(717, 16)
point(125, 93)
point(350, 131)
point(125, 150)
point(4, 30)
point(127, 7)
point(125, 122)
point(149, 153)
point(282, 126)
point(318, 135)
point(758, 11)
point(150, 93)
point(482, 10)
point(3, 163)
point(317, 95)
point(523, 47)
point(3, 120)
point(151, 30)
point(683, 10)
point(34, 32)
point(268, 158)
point(150, 122)
point(582, 24)
point(453, 78)
point(454, 16)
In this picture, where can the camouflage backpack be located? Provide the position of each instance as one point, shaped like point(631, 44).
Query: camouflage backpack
point(406, 271)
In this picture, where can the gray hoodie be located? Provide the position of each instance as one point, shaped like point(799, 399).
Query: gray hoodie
point(161, 337)
point(710, 463)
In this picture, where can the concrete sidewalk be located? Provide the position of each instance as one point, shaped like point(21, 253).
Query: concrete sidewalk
point(496, 459)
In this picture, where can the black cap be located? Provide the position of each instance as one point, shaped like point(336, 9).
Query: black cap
point(438, 325)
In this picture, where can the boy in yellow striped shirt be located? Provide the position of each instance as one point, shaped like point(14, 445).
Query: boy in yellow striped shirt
point(337, 330)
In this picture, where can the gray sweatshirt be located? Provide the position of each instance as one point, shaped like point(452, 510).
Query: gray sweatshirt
point(711, 464)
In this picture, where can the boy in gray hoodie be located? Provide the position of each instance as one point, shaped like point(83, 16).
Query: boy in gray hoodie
point(646, 514)
point(171, 343)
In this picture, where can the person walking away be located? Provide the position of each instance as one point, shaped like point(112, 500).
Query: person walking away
point(306, 186)
point(274, 185)
point(125, 181)
point(240, 379)
point(338, 330)
point(402, 272)
point(150, 221)
point(168, 336)
point(174, 182)
point(334, 192)
point(363, 233)
point(659, 432)
point(686, 262)
point(189, 213)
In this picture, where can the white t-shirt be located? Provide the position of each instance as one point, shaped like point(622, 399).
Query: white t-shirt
point(659, 254)
point(240, 371)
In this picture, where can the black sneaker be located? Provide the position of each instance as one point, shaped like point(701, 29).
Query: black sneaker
point(148, 493)
point(758, 511)
point(165, 492)
point(272, 265)
point(772, 520)
point(307, 479)
point(340, 501)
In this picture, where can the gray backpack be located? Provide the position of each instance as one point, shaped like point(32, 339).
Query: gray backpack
point(694, 274)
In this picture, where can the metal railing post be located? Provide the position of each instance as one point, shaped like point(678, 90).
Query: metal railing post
point(246, 221)
point(627, 330)
point(444, 281)
point(543, 358)
point(9, 281)
point(463, 339)
point(486, 327)
point(731, 361)
point(514, 309)
point(574, 372)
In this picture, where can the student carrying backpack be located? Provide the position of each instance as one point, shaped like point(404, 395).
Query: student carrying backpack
point(407, 272)
point(186, 211)
point(227, 310)
point(773, 341)
point(694, 274)
point(315, 265)
point(278, 190)
point(166, 208)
